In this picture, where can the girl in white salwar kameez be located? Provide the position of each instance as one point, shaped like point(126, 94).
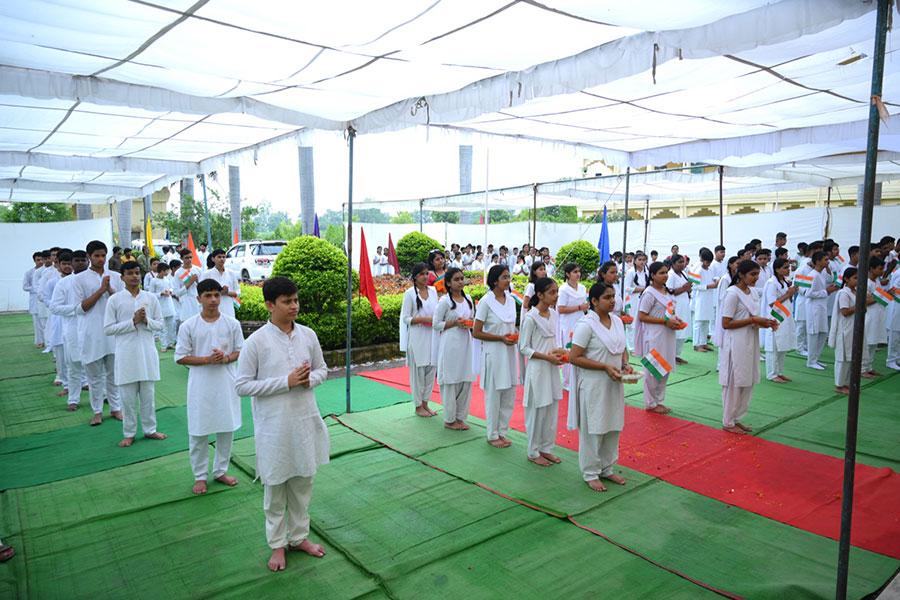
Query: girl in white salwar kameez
point(876, 332)
point(537, 271)
point(655, 330)
point(636, 280)
point(570, 305)
point(539, 341)
point(608, 273)
point(495, 327)
point(721, 289)
point(705, 300)
point(417, 338)
point(452, 322)
point(840, 335)
point(680, 288)
point(597, 407)
point(817, 310)
point(778, 342)
point(740, 346)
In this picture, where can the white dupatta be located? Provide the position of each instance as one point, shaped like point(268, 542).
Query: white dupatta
point(505, 312)
point(614, 340)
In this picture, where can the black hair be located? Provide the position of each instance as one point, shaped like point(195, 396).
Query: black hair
point(604, 268)
point(779, 262)
point(416, 269)
point(162, 266)
point(128, 265)
point(655, 267)
point(185, 251)
point(532, 277)
point(156, 258)
point(540, 286)
point(216, 252)
point(852, 250)
point(802, 247)
point(816, 246)
point(828, 245)
point(79, 254)
point(730, 262)
point(781, 235)
point(780, 252)
point(447, 277)
point(756, 241)
point(64, 257)
point(95, 245)
point(275, 287)
point(652, 252)
point(720, 248)
point(494, 274)
point(209, 261)
point(208, 285)
point(597, 290)
point(45, 254)
point(117, 249)
point(569, 267)
point(431, 257)
point(746, 266)
point(875, 262)
point(54, 249)
point(60, 250)
point(706, 254)
point(750, 246)
point(848, 273)
point(174, 263)
point(764, 252)
point(37, 254)
point(817, 256)
point(127, 250)
point(675, 258)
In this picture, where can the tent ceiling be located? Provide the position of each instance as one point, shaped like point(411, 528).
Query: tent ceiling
point(127, 94)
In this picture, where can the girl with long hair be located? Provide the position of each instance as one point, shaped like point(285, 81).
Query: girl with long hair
point(417, 339)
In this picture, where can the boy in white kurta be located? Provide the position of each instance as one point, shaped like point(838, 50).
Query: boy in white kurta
point(452, 322)
point(280, 365)
point(131, 317)
point(539, 342)
point(161, 287)
point(231, 287)
point(817, 310)
point(63, 304)
point(418, 339)
point(28, 282)
point(705, 300)
point(878, 300)
point(840, 335)
point(209, 344)
point(893, 324)
point(185, 284)
point(53, 335)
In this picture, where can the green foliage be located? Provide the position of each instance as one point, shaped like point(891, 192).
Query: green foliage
point(404, 217)
point(414, 248)
point(36, 212)
point(191, 218)
point(334, 234)
point(285, 230)
point(319, 270)
point(369, 215)
point(445, 217)
point(582, 252)
point(502, 216)
point(331, 217)
point(551, 214)
point(253, 307)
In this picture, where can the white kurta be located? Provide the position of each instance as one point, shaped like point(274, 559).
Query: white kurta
point(418, 341)
point(455, 345)
point(649, 336)
point(817, 303)
point(706, 298)
point(64, 304)
point(785, 338)
point(226, 279)
point(158, 287)
point(569, 296)
point(739, 365)
point(721, 290)
point(876, 319)
point(682, 303)
point(53, 334)
point(188, 306)
point(840, 336)
point(498, 360)
point(95, 343)
point(38, 283)
point(542, 383)
point(28, 286)
point(893, 319)
point(598, 402)
point(137, 359)
point(213, 406)
point(291, 437)
point(801, 302)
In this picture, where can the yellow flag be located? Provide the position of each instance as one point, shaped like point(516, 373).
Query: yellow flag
point(149, 241)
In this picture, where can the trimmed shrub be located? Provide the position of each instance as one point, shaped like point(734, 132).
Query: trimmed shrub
point(414, 248)
point(319, 270)
point(253, 307)
point(581, 252)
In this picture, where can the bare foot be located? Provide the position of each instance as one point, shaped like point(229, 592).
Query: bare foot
point(199, 487)
point(431, 413)
point(868, 375)
point(746, 428)
point(551, 457)
point(734, 429)
point(62, 393)
point(57, 382)
point(227, 480)
point(498, 443)
point(456, 426)
point(874, 373)
point(423, 412)
point(156, 435)
point(842, 389)
point(96, 419)
point(617, 479)
point(660, 409)
point(116, 414)
point(126, 442)
point(785, 378)
point(308, 547)
point(72, 407)
point(506, 441)
point(540, 461)
point(462, 425)
point(596, 485)
point(276, 561)
point(680, 361)
point(700, 349)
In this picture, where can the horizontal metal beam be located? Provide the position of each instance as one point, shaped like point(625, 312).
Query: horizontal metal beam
point(117, 191)
point(58, 162)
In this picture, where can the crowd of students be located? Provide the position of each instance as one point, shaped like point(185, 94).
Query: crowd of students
point(577, 335)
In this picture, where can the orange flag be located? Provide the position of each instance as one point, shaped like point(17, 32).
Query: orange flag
point(195, 259)
point(236, 240)
point(366, 283)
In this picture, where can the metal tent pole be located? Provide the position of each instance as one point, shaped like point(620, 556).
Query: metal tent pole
point(209, 243)
point(351, 135)
point(827, 213)
point(534, 216)
point(646, 220)
point(721, 207)
point(859, 316)
point(421, 215)
point(625, 228)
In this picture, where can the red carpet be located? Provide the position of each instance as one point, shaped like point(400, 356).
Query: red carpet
point(787, 484)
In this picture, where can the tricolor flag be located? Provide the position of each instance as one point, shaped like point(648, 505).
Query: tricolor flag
point(670, 311)
point(520, 300)
point(569, 343)
point(840, 258)
point(882, 296)
point(237, 302)
point(780, 312)
point(656, 364)
point(896, 292)
point(627, 302)
point(694, 278)
point(185, 275)
point(440, 286)
point(804, 281)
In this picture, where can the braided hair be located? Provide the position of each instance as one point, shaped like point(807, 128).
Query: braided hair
point(448, 276)
point(417, 268)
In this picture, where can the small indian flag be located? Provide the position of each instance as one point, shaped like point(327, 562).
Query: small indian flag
point(236, 301)
point(896, 292)
point(882, 296)
point(184, 276)
point(520, 300)
point(656, 364)
point(840, 258)
point(694, 278)
point(780, 312)
point(670, 311)
point(440, 286)
point(804, 281)
point(628, 303)
point(569, 343)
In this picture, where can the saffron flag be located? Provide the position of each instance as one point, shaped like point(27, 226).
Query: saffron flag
point(896, 292)
point(392, 256)
point(439, 285)
point(148, 231)
point(366, 282)
point(694, 278)
point(780, 312)
point(236, 237)
point(656, 364)
point(237, 302)
point(882, 296)
point(803, 281)
point(520, 300)
point(195, 258)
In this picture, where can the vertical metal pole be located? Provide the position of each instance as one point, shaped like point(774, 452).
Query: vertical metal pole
point(721, 207)
point(487, 212)
point(209, 243)
point(625, 228)
point(827, 213)
point(534, 217)
point(859, 316)
point(421, 215)
point(351, 135)
point(646, 221)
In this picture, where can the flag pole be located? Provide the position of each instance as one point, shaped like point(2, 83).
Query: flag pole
point(625, 231)
point(351, 135)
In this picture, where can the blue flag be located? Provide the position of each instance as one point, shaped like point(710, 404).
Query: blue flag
point(603, 242)
point(316, 227)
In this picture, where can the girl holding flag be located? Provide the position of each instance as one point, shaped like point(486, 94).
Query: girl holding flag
point(452, 322)
point(417, 339)
point(538, 270)
point(777, 295)
point(840, 334)
point(571, 304)
point(597, 406)
point(680, 287)
point(437, 270)
point(817, 310)
point(654, 337)
point(878, 300)
point(739, 369)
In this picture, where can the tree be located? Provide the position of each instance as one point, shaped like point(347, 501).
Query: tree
point(331, 217)
point(551, 214)
point(335, 235)
point(192, 219)
point(369, 215)
point(445, 217)
point(285, 230)
point(36, 212)
point(267, 221)
point(501, 216)
point(404, 217)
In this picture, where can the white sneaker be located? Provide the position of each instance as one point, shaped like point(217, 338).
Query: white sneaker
point(816, 366)
point(894, 365)
point(803, 353)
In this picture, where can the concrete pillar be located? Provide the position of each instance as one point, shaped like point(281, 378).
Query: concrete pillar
point(465, 181)
point(234, 199)
point(187, 189)
point(859, 194)
point(83, 212)
point(307, 190)
point(123, 213)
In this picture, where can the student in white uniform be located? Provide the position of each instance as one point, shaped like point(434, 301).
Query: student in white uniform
point(93, 288)
point(376, 263)
point(185, 284)
point(655, 329)
point(597, 407)
point(202, 254)
point(385, 265)
point(452, 321)
point(636, 281)
point(280, 365)
point(536, 271)
point(28, 286)
point(53, 334)
point(840, 335)
point(131, 317)
point(571, 305)
point(763, 258)
point(417, 338)
point(608, 273)
point(42, 313)
point(876, 317)
point(161, 287)
point(680, 288)
point(209, 344)
point(778, 341)
point(803, 269)
point(151, 274)
point(231, 287)
point(63, 304)
point(495, 327)
point(539, 341)
point(739, 370)
point(721, 289)
point(817, 310)
point(478, 263)
point(893, 324)
point(705, 300)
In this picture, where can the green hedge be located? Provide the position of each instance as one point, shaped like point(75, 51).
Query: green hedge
point(582, 253)
point(318, 268)
point(413, 248)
